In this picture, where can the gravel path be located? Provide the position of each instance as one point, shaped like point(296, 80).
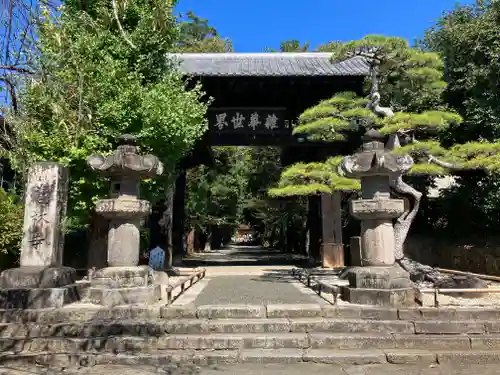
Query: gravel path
point(252, 290)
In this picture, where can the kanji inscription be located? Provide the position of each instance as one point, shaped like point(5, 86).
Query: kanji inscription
point(41, 194)
point(45, 208)
point(248, 120)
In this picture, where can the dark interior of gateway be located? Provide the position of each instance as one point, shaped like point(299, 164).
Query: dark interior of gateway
point(292, 94)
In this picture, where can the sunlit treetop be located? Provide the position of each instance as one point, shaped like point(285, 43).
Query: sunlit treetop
point(410, 83)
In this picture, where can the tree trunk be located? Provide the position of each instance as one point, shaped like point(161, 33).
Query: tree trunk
point(403, 223)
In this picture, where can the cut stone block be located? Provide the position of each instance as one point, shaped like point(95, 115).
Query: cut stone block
point(360, 312)
point(294, 311)
point(345, 357)
point(449, 327)
point(411, 357)
point(123, 277)
point(271, 355)
point(231, 312)
point(404, 297)
point(393, 277)
point(37, 277)
point(123, 296)
point(38, 298)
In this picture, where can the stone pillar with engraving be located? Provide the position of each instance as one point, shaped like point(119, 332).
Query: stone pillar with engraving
point(41, 280)
point(379, 280)
point(124, 281)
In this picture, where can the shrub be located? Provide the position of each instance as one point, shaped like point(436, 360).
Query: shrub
point(11, 224)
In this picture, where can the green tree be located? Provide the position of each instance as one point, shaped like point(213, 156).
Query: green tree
point(291, 45)
point(102, 71)
point(216, 193)
point(11, 224)
point(196, 35)
point(413, 79)
point(271, 216)
point(467, 38)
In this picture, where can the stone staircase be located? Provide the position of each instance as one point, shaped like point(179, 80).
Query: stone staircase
point(346, 334)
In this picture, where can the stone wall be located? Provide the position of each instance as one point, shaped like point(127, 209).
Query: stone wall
point(470, 256)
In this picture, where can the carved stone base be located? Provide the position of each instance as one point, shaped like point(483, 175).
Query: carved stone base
point(404, 297)
point(379, 286)
point(391, 277)
point(37, 277)
point(40, 298)
point(125, 296)
point(123, 277)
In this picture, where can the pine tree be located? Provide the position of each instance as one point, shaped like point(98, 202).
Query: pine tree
point(410, 80)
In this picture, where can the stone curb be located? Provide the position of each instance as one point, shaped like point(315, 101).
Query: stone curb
point(287, 340)
point(160, 327)
point(202, 358)
point(86, 313)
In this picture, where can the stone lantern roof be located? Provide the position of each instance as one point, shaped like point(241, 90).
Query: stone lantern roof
point(126, 160)
point(374, 159)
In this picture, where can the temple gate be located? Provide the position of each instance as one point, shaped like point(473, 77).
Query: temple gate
point(256, 99)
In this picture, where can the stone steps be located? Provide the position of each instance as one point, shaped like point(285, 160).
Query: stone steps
point(234, 334)
point(162, 327)
point(323, 340)
point(204, 357)
point(278, 325)
point(77, 313)
point(235, 326)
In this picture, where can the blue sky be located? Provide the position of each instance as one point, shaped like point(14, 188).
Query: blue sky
point(254, 25)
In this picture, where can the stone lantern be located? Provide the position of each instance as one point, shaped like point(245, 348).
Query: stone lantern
point(125, 210)
point(379, 281)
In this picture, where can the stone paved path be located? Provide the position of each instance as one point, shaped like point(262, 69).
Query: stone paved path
point(236, 255)
point(265, 369)
point(273, 288)
point(247, 275)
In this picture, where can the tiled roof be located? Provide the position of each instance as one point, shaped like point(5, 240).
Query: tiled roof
point(268, 64)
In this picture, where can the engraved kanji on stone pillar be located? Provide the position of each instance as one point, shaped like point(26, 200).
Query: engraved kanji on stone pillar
point(45, 208)
point(41, 281)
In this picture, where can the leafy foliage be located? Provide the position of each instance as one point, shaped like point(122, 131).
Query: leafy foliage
point(292, 45)
point(272, 216)
point(216, 194)
point(467, 39)
point(11, 223)
point(412, 80)
point(101, 72)
point(196, 35)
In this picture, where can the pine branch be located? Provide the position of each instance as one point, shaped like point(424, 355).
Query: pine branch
point(444, 164)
